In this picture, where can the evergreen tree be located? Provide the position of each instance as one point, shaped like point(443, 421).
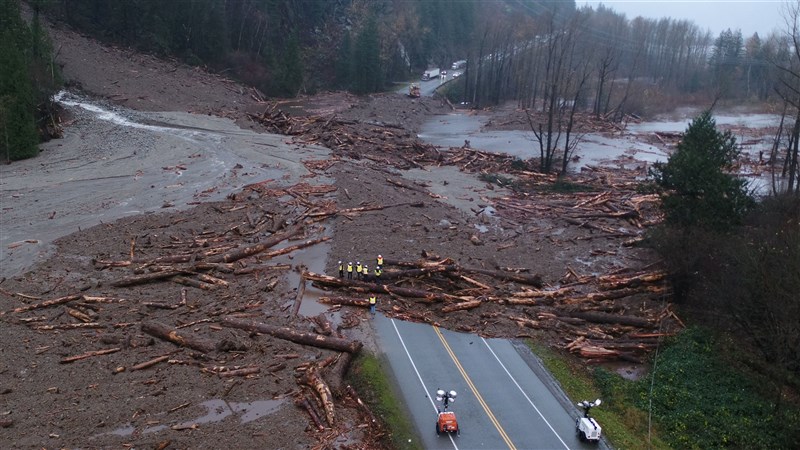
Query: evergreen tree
point(344, 72)
point(366, 60)
point(18, 136)
point(697, 188)
point(292, 75)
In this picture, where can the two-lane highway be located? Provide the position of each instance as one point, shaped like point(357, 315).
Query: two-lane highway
point(501, 403)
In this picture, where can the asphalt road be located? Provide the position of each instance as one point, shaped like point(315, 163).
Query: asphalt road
point(427, 88)
point(501, 402)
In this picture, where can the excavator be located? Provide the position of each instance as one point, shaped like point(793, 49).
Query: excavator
point(413, 91)
point(446, 421)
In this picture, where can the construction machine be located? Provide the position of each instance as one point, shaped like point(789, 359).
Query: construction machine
point(446, 421)
point(588, 429)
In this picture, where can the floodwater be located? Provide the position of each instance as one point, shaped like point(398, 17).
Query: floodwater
point(216, 411)
point(629, 149)
point(115, 162)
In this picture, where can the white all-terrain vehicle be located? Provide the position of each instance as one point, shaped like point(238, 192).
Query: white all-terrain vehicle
point(588, 429)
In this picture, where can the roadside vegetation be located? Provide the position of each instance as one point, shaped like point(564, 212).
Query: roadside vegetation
point(370, 376)
point(699, 394)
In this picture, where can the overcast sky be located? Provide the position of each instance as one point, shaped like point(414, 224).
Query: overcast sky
point(750, 16)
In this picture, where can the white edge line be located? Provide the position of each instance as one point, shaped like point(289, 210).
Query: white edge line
point(419, 377)
point(523, 393)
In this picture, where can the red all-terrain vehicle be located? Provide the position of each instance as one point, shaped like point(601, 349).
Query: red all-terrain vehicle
point(446, 421)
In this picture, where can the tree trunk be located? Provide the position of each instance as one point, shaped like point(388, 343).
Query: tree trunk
point(305, 338)
point(162, 331)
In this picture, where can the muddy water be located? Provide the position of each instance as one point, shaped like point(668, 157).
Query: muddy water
point(629, 149)
point(115, 162)
point(216, 411)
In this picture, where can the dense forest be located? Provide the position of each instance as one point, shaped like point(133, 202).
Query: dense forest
point(28, 77)
point(543, 55)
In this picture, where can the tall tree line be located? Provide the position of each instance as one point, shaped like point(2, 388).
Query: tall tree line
point(28, 78)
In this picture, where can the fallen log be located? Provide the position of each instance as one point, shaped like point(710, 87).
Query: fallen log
point(366, 409)
point(313, 380)
point(345, 301)
point(194, 283)
point(364, 209)
point(142, 279)
point(313, 339)
point(361, 286)
point(292, 248)
point(89, 355)
point(298, 300)
point(245, 252)
point(411, 273)
point(69, 326)
point(243, 372)
point(46, 303)
point(540, 294)
point(463, 306)
point(302, 402)
point(339, 371)
point(151, 363)
point(533, 280)
point(324, 325)
point(610, 282)
point(600, 317)
point(166, 333)
point(446, 265)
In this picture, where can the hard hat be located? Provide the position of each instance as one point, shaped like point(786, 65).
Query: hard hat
point(340, 261)
point(379, 256)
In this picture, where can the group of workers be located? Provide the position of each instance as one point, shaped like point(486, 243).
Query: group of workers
point(362, 273)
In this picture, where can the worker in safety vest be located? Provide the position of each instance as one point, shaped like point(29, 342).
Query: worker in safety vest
point(341, 270)
point(365, 272)
point(380, 260)
point(350, 270)
point(372, 302)
point(378, 272)
point(358, 270)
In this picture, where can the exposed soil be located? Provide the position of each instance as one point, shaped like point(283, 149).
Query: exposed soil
point(184, 400)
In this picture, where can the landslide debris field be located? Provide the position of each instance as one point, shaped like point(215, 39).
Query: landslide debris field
point(191, 329)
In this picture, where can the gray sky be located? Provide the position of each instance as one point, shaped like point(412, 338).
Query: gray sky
point(750, 16)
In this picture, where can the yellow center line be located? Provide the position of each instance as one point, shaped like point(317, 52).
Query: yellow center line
point(475, 390)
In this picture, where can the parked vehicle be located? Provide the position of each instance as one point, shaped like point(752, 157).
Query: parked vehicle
point(446, 421)
point(431, 74)
point(588, 429)
point(413, 91)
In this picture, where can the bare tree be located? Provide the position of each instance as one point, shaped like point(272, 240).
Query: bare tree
point(789, 91)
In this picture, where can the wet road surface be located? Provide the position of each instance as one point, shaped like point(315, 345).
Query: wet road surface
point(501, 402)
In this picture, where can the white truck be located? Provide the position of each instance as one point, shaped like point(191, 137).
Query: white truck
point(431, 74)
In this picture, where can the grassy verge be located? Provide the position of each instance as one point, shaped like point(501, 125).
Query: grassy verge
point(373, 382)
point(624, 425)
point(701, 397)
